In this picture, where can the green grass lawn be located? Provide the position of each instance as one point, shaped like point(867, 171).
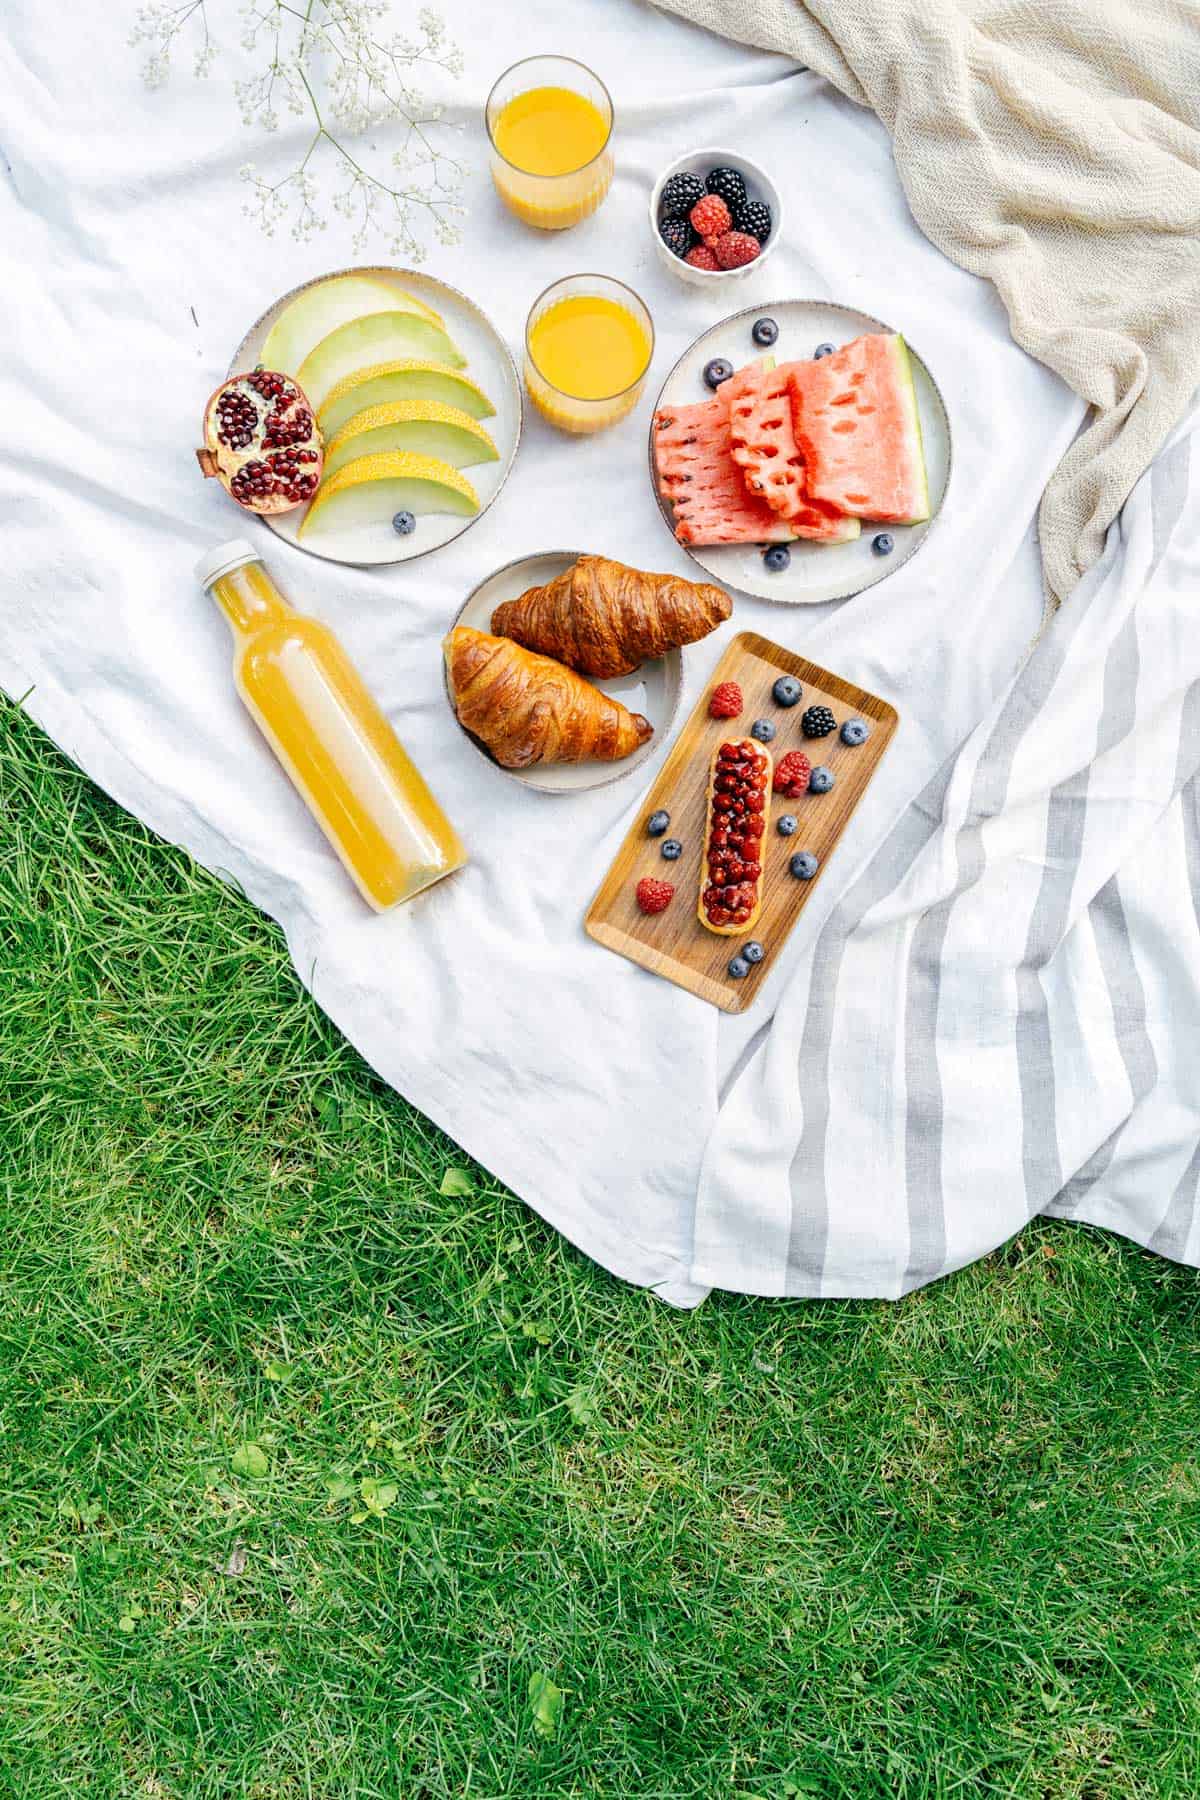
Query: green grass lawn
point(311, 1465)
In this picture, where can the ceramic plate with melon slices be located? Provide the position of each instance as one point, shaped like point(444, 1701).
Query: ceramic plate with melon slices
point(417, 400)
point(817, 468)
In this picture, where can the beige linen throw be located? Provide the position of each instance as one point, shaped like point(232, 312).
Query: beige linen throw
point(1054, 148)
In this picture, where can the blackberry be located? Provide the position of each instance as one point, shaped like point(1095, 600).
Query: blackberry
point(679, 195)
point(677, 235)
point(817, 722)
point(753, 216)
point(729, 184)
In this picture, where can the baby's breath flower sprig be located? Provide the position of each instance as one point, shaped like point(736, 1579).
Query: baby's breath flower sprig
point(335, 62)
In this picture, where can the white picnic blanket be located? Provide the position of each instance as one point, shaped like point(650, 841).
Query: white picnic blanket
point(587, 1085)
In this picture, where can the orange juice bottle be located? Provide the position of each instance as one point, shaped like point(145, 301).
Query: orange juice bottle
point(314, 710)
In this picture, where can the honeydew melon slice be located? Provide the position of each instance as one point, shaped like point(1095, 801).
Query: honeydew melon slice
point(372, 489)
point(376, 337)
point(321, 308)
point(385, 382)
point(425, 426)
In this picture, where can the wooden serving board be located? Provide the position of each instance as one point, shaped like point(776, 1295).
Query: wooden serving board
point(674, 943)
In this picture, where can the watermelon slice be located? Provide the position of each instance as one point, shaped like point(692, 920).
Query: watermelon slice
point(704, 484)
point(763, 445)
point(857, 427)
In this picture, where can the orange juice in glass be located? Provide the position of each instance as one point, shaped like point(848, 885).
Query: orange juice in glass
point(549, 123)
point(588, 344)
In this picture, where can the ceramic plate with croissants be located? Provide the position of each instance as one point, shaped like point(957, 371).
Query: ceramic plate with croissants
point(564, 668)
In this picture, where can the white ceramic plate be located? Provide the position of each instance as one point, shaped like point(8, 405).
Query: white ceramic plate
point(817, 572)
point(652, 690)
point(488, 364)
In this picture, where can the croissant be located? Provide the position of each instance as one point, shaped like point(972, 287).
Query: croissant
point(527, 709)
point(604, 619)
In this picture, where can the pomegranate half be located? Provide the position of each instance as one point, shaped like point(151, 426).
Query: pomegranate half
point(262, 442)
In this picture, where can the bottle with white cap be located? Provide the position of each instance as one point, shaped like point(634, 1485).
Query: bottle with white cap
point(318, 716)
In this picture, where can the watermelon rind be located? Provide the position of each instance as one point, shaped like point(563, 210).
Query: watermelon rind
point(908, 392)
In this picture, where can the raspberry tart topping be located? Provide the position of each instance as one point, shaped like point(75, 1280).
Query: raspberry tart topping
point(731, 880)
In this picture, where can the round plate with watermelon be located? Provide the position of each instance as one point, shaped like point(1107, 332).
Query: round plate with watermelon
point(816, 454)
point(418, 402)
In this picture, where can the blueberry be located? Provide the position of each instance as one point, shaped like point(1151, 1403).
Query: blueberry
point(785, 824)
point(855, 732)
point(672, 849)
point(804, 865)
point(787, 691)
point(404, 523)
point(739, 968)
point(883, 543)
point(764, 332)
point(763, 730)
point(717, 371)
point(823, 350)
point(821, 780)
point(753, 951)
point(777, 558)
point(657, 823)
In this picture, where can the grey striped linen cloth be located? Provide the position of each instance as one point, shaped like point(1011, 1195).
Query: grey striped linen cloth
point(1001, 1017)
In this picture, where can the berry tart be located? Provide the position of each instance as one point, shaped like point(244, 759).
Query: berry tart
point(736, 814)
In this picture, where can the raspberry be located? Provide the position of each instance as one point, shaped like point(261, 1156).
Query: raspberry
point(791, 775)
point(654, 896)
point(726, 702)
point(710, 216)
point(702, 258)
point(735, 249)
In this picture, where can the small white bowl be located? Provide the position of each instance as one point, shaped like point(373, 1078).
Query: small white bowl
point(759, 186)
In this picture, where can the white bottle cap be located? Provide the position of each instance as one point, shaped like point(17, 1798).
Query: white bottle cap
point(222, 558)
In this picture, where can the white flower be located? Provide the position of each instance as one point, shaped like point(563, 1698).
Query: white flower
point(336, 63)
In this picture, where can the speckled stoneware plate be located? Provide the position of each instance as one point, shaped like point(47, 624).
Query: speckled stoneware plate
point(488, 364)
point(816, 572)
point(652, 690)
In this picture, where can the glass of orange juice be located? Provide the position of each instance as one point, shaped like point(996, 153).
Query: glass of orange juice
point(549, 124)
point(588, 344)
